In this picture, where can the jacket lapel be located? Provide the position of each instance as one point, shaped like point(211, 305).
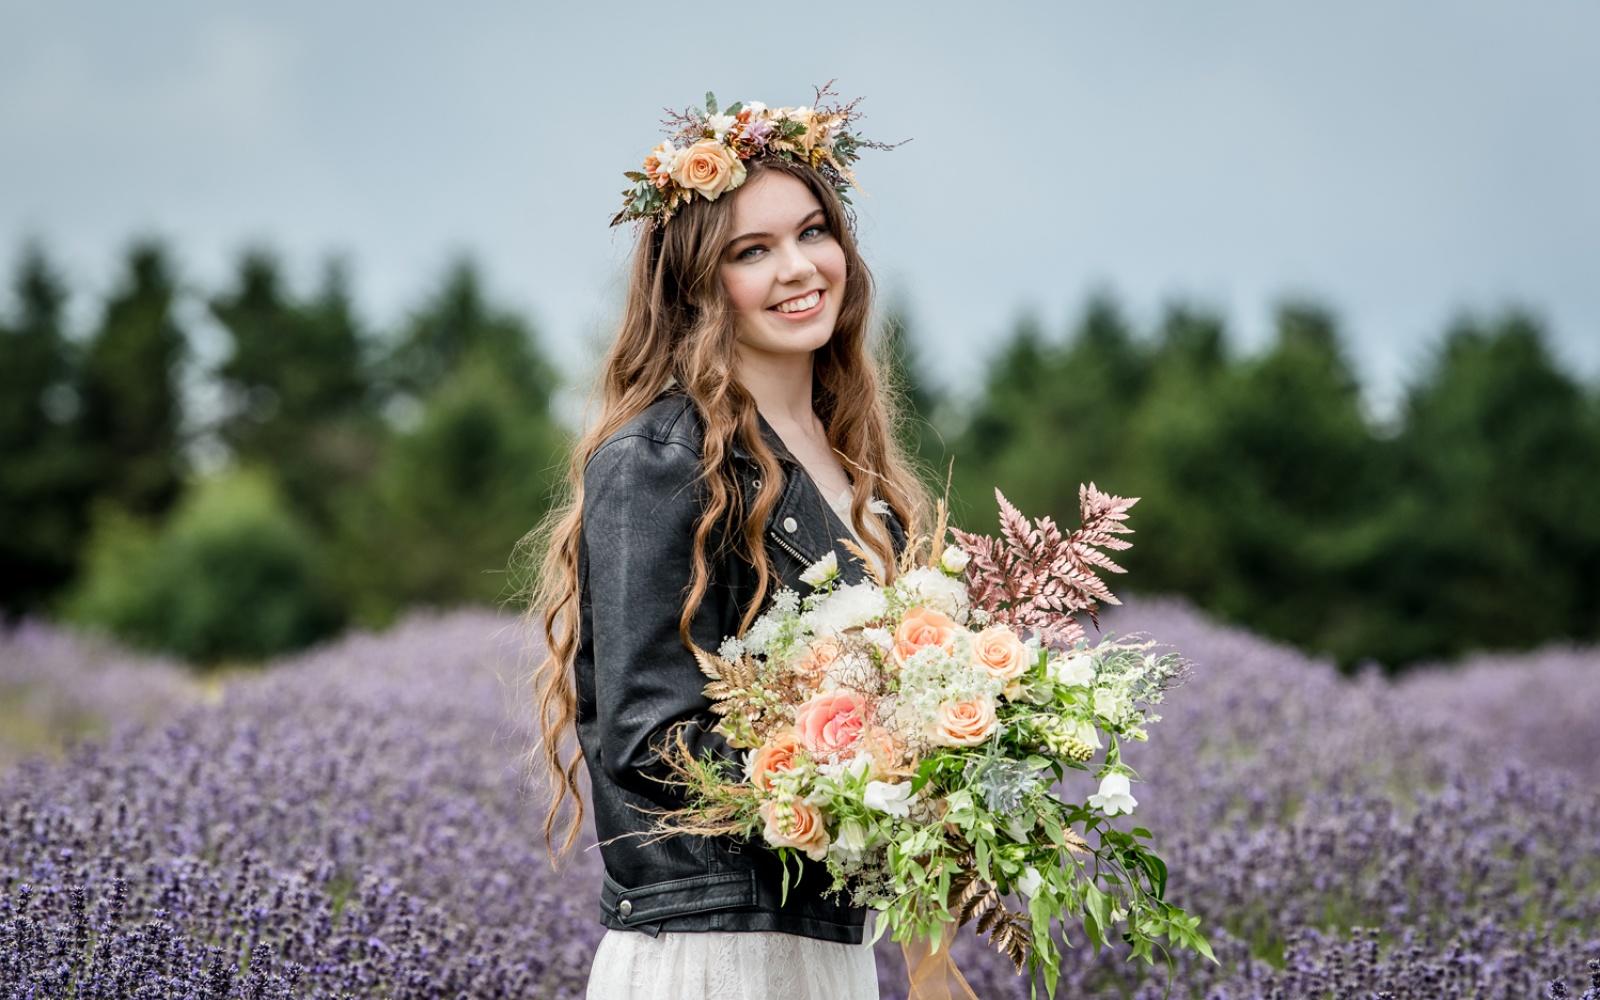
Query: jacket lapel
point(804, 520)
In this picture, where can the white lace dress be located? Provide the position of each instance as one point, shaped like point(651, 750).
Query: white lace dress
point(734, 965)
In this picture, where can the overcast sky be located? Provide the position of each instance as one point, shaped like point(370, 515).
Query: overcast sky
point(1400, 161)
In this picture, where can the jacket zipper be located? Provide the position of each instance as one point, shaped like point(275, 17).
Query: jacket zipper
point(785, 546)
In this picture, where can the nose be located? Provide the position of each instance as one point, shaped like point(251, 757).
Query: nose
point(795, 265)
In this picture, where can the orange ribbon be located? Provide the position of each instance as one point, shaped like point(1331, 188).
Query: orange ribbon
point(930, 970)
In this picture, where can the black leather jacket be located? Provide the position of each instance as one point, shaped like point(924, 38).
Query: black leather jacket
point(635, 678)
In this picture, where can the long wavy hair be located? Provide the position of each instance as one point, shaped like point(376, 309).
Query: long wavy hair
point(678, 327)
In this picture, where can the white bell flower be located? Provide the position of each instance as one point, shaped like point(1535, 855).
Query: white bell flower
point(1114, 795)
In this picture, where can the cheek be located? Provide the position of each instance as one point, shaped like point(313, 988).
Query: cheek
point(744, 294)
point(832, 265)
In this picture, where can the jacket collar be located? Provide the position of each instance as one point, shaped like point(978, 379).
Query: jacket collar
point(770, 437)
point(817, 525)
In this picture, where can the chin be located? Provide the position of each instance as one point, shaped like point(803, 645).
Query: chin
point(785, 342)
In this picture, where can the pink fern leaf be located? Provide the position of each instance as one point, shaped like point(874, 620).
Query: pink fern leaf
point(1033, 578)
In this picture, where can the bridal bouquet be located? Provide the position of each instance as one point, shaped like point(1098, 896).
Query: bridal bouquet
point(910, 735)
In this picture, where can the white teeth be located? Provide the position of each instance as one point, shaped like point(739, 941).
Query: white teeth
point(800, 305)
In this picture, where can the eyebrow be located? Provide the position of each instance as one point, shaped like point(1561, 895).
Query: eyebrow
point(746, 236)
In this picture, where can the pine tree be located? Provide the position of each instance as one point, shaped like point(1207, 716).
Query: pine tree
point(1494, 539)
point(43, 495)
point(456, 324)
point(132, 410)
point(297, 383)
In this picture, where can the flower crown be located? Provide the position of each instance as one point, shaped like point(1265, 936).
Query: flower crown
point(707, 150)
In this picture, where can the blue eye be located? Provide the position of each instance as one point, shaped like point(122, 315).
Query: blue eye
point(821, 229)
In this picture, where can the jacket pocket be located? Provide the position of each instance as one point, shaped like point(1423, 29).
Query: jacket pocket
point(649, 904)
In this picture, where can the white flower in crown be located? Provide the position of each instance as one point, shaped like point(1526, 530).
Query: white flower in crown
point(1114, 795)
point(719, 124)
point(666, 155)
point(757, 109)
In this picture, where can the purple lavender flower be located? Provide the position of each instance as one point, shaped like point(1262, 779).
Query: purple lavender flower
point(356, 821)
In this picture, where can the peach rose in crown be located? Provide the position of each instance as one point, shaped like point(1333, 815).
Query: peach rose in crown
point(923, 627)
point(1001, 653)
point(963, 723)
point(831, 722)
point(708, 167)
point(794, 822)
point(772, 757)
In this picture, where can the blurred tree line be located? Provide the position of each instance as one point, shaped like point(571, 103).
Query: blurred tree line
point(362, 472)
point(1270, 499)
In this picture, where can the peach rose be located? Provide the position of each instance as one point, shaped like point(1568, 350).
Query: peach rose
point(708, 167)
point(923, 627)
point(818, 657)
point(794, 822)
point(884, 754)
point(815, 125)
point(652, 167)
point(963, 723)
point(1001, 653)
point(831, 721)
point(772, 757)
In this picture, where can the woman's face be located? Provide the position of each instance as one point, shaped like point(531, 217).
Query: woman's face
point(782, 251)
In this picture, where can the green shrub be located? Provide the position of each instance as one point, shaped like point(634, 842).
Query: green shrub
point(231, 574)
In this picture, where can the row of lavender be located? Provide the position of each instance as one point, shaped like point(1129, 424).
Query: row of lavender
point(356, 822)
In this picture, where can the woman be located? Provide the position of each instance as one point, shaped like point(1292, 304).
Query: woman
point(743, 431)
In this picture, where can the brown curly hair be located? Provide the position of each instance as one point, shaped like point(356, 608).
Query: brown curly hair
point(678, 326)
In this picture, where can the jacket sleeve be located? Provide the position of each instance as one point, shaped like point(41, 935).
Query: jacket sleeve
point(639, 509)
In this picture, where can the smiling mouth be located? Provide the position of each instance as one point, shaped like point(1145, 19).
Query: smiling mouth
point(817, 294)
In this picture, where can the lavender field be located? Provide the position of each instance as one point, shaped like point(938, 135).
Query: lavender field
point(356, 821)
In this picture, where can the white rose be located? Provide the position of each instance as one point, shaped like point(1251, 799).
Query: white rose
point(719, 124)
point(822, 570)
point(954, 560)
point(932, 588)
point(1074, 671)
point(756, 108)
point(894, 799)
